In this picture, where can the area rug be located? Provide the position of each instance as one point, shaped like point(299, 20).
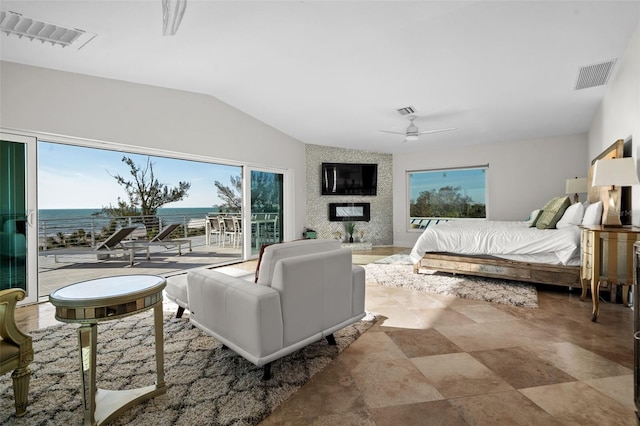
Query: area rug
point(206, 383)
point(397, 271)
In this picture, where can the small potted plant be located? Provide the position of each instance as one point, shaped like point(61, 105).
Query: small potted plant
point(350, 227)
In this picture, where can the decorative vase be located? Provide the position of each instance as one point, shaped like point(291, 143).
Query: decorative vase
point(351, 239)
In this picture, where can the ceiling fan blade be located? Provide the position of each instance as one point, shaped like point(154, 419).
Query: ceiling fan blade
point(426, 132)
point(395, 133)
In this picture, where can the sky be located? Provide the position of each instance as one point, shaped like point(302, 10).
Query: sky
point(472, 182)
point(71, 177)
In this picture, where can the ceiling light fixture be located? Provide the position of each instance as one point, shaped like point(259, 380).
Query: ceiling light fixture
point(172, 12)
point(32, 29)
point(406, 110)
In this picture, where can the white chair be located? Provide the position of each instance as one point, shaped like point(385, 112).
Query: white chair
point(228, 231)
point(272, 230)
point(237, 231)
point(307, 290)
point(212, 226)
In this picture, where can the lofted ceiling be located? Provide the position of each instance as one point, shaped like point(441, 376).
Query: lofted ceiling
point(335, 72)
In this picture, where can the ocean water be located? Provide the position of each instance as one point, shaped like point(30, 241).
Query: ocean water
point(66, 214)
point(66, 221)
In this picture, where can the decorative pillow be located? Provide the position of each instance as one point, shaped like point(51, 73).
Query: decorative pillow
point(593, 214)
point(552, 212)
point(572, 216)
point(533, 218)
point(262, 247)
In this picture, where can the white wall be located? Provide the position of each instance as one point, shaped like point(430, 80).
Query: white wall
point(522, 176)
point(80, 106)
point(619, 114)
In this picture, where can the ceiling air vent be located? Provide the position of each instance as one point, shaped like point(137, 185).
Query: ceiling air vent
point(406, 110)
point(32, 29)
point(594, 75)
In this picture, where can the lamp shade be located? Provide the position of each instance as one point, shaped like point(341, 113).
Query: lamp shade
point(615, 172)
point(576, 186)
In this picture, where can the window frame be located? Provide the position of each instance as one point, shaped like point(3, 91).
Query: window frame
point(408, 174)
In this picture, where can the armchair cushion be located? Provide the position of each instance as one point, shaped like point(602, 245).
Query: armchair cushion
point(9, 352)
point(275, 252)
point(176, 289)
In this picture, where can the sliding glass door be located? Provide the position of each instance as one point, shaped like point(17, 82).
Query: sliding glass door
point(266, 215)
point(18, 229)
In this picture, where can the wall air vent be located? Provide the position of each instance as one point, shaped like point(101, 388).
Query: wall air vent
point(406, 110)
point(595, 75)
point(32, 29)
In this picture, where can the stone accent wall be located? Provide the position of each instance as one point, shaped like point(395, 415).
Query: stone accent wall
point(378, 231)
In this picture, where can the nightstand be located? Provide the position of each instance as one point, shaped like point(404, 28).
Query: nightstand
point(606, 255)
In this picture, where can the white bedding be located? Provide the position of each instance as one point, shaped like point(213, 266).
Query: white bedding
point(501, 239)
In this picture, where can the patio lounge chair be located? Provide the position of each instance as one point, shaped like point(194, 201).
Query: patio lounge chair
point(115, 240)
point(114, 244)
point(162, 239)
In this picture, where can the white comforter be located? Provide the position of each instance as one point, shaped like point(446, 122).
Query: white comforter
point(498, 238)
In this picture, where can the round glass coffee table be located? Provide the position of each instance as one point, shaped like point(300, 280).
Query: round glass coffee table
point(105, 299)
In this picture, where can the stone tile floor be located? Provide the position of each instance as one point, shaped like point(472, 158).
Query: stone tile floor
point(440, 360)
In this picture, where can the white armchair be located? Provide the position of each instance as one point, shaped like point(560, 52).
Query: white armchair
point(306, 291)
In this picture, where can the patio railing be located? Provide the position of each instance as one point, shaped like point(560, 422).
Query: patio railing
point(88, 231)
point(425, 222)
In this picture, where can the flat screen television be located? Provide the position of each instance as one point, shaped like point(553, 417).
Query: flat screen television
point(349, 179)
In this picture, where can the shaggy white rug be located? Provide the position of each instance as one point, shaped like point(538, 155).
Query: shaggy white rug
point(397, 271)
point(206, 383)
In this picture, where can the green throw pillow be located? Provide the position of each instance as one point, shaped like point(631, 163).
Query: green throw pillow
point(552, 212)
point(533, 218)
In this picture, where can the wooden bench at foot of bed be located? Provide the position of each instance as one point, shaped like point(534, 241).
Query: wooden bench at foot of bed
point(494, 267)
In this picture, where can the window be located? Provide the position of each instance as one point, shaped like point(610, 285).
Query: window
point(443, 194)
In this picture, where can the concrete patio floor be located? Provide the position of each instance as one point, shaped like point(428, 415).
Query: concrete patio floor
point(163, 261)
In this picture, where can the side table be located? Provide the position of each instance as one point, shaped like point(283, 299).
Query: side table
point(105, 299)
point(606, 256)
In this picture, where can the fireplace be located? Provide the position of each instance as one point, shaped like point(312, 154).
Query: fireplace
point(349, 212)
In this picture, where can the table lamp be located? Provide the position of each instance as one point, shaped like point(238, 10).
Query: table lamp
point(614, 172)
point(576, 186)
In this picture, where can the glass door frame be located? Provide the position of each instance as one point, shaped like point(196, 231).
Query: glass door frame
point(31, 200)
point(287, 225)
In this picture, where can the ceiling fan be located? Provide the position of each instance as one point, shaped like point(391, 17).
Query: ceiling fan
point(412, 133)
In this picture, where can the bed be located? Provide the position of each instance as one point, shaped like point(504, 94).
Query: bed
point(511, 250)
